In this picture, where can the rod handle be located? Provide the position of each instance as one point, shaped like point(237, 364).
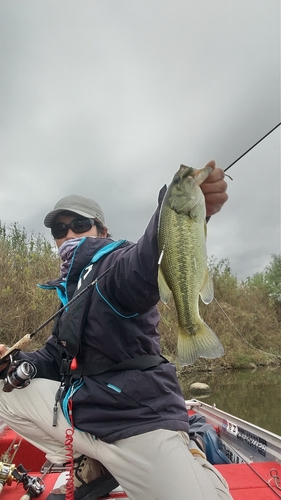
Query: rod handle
point(18, 346)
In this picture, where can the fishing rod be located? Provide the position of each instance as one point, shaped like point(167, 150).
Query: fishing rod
point(27, 338)
point(274, 128)
point(241, 156)
point(24, 341)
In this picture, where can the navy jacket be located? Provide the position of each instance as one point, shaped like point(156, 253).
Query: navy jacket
point(121, 323)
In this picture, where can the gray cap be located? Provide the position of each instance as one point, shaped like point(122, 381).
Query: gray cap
point(77, 204)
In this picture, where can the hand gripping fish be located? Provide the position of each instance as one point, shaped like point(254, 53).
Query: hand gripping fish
point(183, 263)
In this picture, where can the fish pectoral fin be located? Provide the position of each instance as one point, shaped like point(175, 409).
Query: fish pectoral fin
point(204, 344)
point(164, 290)
point(207, 290)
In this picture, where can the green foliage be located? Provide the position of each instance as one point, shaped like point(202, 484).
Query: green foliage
point(269, 281)
point(243, 315)
point(225, 283)
point(24, 262)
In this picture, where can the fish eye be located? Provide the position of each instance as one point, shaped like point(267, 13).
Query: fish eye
point(177, 179)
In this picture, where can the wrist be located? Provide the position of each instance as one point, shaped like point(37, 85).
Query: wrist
point(3, 369)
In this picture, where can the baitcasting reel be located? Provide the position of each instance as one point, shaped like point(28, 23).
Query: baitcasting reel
point(33, 485)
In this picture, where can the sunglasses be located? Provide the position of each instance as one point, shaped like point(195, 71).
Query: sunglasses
point(78, 226)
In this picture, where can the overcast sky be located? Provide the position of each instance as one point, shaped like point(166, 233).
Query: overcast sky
point(106, 98)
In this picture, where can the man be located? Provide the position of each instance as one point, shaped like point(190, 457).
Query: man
point(101, 378)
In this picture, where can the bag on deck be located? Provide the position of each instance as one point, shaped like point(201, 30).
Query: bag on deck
point(214, 447)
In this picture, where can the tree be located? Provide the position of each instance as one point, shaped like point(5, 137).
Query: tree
point(270, 281)
point(272, 275)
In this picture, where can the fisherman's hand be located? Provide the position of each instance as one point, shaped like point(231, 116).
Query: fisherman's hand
point(214, 189)
point(3, 350)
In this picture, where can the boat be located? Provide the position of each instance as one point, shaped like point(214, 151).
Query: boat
point(248, 457)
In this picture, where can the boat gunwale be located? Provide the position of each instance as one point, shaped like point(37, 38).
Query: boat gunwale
point(228, 426)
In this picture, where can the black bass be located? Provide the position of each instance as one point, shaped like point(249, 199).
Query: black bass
point(183, 263)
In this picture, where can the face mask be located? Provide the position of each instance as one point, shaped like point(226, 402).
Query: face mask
point(66, 251)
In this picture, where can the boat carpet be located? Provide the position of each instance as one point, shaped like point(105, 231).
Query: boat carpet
point(254, 481)
point(27, 455)
point(246, 482)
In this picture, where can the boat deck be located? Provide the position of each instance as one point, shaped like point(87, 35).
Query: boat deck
point(255, 481)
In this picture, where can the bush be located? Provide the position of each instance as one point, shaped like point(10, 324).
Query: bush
point(244, 316)
point(24, 261)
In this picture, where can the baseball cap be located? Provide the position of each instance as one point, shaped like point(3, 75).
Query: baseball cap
point(77, 204)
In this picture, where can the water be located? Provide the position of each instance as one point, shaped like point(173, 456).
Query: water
point(252, 395)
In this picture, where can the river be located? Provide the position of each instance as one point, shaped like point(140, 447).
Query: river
point(254, 395)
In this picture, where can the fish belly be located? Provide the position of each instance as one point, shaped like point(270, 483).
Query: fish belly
point(184, 267)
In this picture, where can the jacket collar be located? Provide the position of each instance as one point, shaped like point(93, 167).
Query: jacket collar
point(83, 254)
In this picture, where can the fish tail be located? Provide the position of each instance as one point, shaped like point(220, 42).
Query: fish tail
point(203, 344)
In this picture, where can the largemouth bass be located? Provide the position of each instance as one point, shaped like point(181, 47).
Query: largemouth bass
point(183, 263)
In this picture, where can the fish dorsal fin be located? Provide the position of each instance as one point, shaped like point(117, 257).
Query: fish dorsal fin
point(207, 290)
point(164, 290)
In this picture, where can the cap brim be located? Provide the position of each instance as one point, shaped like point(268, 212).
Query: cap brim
point(50, 217)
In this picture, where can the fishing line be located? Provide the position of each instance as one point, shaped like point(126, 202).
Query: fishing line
point(207, 220)
point(243, 338)
point(254, 470)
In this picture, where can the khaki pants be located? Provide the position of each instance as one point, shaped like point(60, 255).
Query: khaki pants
point(156, 465)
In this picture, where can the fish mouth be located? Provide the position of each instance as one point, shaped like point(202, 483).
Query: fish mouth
point(188, 171)
point(198, 174)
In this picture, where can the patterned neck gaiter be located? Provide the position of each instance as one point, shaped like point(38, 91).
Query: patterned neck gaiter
point(66, 251)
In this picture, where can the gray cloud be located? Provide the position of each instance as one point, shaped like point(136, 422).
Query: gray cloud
point(107, 98)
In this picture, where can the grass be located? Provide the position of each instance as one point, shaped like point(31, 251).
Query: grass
point(245, 318)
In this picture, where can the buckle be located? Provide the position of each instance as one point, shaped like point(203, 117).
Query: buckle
point(65, 367)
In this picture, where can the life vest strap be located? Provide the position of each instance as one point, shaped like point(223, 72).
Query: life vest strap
point(143, 363)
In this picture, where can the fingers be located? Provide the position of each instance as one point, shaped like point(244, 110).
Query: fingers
point(214, 185)
point(3, 349)
point(214, 189)
point(215, 203)
point(216, 175)
point(212, 164)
